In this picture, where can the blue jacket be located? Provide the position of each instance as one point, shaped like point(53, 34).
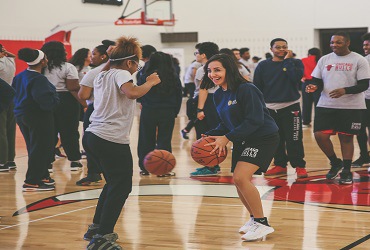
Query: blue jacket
point(243, 114)
point(34, 93)
point(279, 81)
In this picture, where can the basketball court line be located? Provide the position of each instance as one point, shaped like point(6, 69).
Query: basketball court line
point(167, 202)
point(356, 243)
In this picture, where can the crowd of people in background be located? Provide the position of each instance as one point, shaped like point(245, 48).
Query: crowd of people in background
point(261, 103)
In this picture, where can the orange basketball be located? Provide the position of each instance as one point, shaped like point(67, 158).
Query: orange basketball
point(201, 153)
point(159, 162)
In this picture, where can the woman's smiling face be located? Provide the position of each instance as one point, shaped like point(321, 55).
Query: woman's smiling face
point(217, 73)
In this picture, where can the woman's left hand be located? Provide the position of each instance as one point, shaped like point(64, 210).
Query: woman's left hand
point(219, 143)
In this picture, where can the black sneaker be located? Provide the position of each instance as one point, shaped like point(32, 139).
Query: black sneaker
point(11, 165)
point(103, 242)
point(144, 173)
point(334, 170)
point(4, 168)
point(76, 165)
point(184, 134)
point(346, 178)
point(48, 181)
point(37, 187)
point(91, 231)
point(90, 179)
point(361, 162)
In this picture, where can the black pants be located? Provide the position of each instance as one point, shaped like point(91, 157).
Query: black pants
point(290, 148)
point(211, 119)
point(307, 100)
point(38, 132)
point(115, 160)
point(67, 115)
point(155, 131)
point(7, 135)
point(189, 89)
point(92, 166)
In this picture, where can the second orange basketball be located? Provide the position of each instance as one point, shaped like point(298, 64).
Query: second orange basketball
point(159, 162)
point(201, 154)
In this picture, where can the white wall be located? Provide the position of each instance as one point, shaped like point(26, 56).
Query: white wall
point(229, 23)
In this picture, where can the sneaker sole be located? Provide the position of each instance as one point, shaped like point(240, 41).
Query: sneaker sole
point(49, 183)
point(37, 190)
point(263, 237)
point(345, 182)
point(4, 170)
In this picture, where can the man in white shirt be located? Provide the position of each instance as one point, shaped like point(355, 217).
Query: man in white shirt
point(343, 75)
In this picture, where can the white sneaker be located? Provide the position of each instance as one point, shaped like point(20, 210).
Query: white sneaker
point(257, 231)
point(244, 229)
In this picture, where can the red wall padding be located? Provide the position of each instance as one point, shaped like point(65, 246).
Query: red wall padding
point(15, 45)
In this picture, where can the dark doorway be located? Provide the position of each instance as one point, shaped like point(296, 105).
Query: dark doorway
point(354, 33)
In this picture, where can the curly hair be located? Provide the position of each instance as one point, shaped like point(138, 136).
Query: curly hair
point(126, 46)
point(56, 54)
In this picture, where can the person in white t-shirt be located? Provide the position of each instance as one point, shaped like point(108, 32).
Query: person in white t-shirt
point(99, 60)
point(343, 75)
point(107, 138)
point(64, 76)
point(245, 60)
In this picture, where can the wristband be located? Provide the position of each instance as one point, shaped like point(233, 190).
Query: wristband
point(199, 110)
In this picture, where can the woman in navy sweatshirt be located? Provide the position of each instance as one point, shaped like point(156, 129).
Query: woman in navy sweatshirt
point(246, 122)
point(34, 101)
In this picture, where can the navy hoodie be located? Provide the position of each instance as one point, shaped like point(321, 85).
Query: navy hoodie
point(34, 93)
point(243, 114)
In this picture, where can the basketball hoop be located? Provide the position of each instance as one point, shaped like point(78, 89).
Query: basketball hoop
point(157, 12)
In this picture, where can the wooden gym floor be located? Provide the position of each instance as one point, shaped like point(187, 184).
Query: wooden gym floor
point(190, 213)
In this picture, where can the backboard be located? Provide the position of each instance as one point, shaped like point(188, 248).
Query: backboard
point(154, 12)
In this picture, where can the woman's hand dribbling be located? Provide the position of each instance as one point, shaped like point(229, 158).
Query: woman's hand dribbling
point(219, 143)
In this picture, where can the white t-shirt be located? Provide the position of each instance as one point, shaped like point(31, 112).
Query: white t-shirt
point(57, 76)
point(113, 112)
point(367, 92)
point(244, 71)
point(189, 76)
point(198, 79)
point(340, 72)
point(83, 72)
point(88, 80)
point(250, 66)
point(7, 69)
